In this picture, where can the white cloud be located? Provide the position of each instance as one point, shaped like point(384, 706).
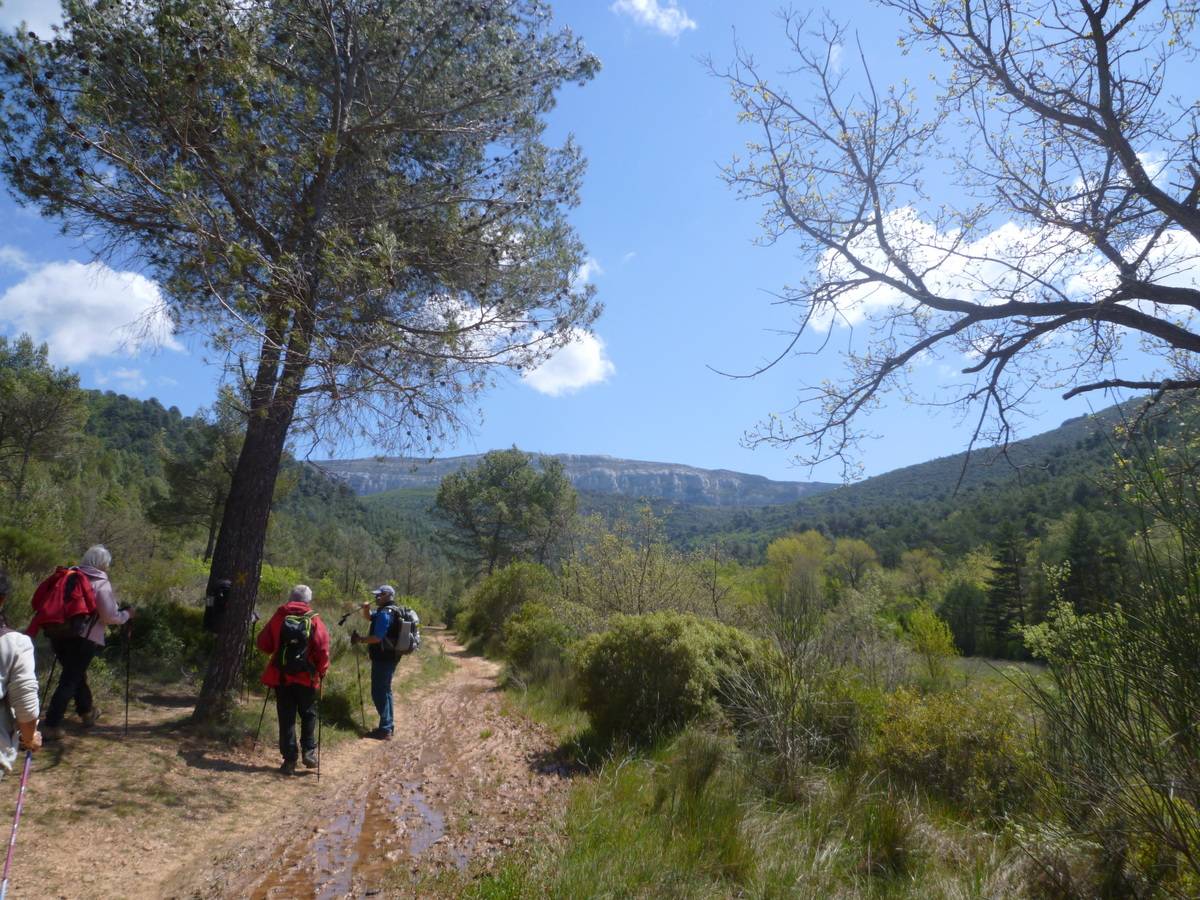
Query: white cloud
point(1012, 261)
point(577, 365)
point(836, 51)
point(131, 380)
point(14, 258)
point(87, 311)
point(35, 15)
point(629, 257)
point(666, 18)
point(585, 273)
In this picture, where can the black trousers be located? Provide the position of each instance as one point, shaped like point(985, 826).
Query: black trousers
point(74, 655)
point(292, 700)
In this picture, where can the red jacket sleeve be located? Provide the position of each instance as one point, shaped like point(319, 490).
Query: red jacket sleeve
point(268, 638)
point(319, 653)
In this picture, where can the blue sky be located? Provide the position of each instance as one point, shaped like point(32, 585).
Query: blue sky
point(672, 257)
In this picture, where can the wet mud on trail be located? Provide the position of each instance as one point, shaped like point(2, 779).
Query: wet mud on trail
point(461, 782)
point(158, 814)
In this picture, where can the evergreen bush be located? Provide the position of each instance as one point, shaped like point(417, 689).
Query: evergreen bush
point(500, 595)
point(969, 748)
point(648, 676)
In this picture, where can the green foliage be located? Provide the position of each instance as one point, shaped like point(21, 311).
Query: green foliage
point(500, 595)
point(648, 676)
point(886, 830)
point(962, 608)
point(629, 567)
point(507, 508)
point(931, 640)
point(198, 475)
point(1008, 602)
point(276, 582)
point(536, 640)
point(23, 550)
point(1119, 737)
point(168, 641)
point(970, 748)
point(41, 409)
point(851, 560)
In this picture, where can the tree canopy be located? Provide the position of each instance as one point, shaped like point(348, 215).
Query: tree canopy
point(1066, 222)
point(351, 198)
point(507, 507)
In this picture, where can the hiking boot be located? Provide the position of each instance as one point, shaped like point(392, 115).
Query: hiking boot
point(89, 718)
point(310, 759)
point(288, 767)
point(379, 734)
point(52, 732)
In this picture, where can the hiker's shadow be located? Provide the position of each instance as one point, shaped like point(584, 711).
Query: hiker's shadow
point(199, 759)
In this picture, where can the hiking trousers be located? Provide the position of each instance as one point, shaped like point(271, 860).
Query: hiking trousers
point(292, 700)
point(74, 656)
point(381, 692)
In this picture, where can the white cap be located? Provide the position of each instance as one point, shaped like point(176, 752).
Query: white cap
point(384, 589)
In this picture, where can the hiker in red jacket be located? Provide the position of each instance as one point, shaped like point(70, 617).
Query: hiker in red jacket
point(297, 643)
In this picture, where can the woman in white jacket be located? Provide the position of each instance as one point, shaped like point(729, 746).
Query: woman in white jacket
point(75, 653)
point(18, 688)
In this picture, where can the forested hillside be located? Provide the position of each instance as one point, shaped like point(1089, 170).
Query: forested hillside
point(954, 503)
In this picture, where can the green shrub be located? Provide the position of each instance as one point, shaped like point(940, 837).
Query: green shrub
point(340, 701)
point(169, 640)
point(650, 675)
point(500, 595)
point(538, 637)
point(969, 748)
point(535, 640)
point(793, 724)
point(423, 608)
point(275, 584)
point(22, 550)
point(932, 640)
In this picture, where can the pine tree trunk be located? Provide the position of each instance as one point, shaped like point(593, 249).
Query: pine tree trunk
point(214, 520)
point(239, 550)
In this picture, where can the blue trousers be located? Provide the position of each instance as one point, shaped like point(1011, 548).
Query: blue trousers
point(381, 692)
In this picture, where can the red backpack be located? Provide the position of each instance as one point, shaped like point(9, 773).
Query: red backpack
point(64, 605)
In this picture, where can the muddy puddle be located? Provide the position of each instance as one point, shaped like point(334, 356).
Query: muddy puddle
point(357, 848)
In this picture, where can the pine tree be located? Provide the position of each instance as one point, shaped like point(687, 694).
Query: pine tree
point(1007, 592)
point(353, 201)
point(1094, 566)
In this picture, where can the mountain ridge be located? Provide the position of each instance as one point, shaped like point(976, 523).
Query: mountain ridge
point(593, 473)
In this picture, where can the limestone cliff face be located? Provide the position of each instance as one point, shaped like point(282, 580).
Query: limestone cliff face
point(593, 474)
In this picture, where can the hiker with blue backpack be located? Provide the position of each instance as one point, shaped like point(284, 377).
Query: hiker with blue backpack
point(297, 644)
point(393, 634)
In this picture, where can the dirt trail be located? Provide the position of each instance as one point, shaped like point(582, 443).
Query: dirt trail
point(154, 816)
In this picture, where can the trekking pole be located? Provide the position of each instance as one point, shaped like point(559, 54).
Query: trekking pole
point(12, 839)
point(258, 730)
point(362, 711)
point(49, 680)
point(320, 728)
point(128, 642)
point(248, 654)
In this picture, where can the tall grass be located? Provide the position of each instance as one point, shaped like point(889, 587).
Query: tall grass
point(1122, 710)
point(689, 820)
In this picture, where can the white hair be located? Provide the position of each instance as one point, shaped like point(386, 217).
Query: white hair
point(302, 593)
point(97, 557)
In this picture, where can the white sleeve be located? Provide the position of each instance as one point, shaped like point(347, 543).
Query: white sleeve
point(20, 681)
